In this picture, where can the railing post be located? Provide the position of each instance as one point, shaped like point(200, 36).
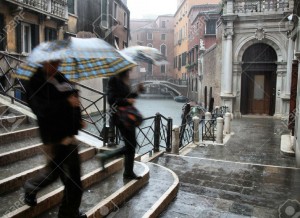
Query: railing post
point(157, 120)
point(220, 123)
point(196, 121)
point(105, 138)
point(169, 135)
point(227, 129)
point(175, 140)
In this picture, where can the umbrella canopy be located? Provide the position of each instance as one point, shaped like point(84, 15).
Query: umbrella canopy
point(145, 54)
point(81, 59)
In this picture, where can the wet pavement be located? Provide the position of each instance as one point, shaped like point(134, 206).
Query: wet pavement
point(255, 140)
point(212, 188)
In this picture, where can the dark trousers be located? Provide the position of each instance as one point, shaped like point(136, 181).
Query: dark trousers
point(128, 134)
point(64, 163)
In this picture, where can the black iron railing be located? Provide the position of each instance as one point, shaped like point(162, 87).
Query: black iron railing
point(186, 135)
point(208, 130)
point(153, 134)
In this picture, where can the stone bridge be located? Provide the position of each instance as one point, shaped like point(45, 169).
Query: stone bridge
point(177, 89)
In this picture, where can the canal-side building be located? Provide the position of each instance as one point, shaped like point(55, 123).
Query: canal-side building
point(294, 118)
point(107, 19)
point(256, 57)
point(201, 33)
point(181, 21)
point(24, 24)
point(159, 34)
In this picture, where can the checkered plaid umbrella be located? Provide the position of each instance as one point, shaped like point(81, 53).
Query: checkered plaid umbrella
point(81, 59)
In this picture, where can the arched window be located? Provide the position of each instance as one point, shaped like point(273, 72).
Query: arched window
point(163, 50)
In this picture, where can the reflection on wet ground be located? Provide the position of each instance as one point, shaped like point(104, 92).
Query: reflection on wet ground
point(253, 141)
point(247, 177)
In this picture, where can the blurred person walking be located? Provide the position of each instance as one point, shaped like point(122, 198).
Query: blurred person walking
point(55, 102)
point(120, 95)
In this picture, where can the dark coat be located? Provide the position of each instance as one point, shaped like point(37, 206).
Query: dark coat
point(56, 118)
point(118, 93)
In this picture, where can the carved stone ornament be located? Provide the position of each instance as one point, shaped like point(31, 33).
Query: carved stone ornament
point(260, 34)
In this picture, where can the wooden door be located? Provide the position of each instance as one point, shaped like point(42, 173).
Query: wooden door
point(259, 93)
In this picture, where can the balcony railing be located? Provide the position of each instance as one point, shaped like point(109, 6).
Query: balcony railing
point(57, 8)
point(252, 6)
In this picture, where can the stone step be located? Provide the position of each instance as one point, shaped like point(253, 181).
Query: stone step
point(23, 135)
point(14, 175)
point(16, 123)
point(20, 154)
point(17, 195)
point(151, 200)
point(232, 187)
point(98, 183)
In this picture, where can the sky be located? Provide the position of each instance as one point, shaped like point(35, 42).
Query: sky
point(151, 8)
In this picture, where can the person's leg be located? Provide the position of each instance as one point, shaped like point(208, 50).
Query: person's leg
point(49, 175)
point(70, 176)
point(129, 137)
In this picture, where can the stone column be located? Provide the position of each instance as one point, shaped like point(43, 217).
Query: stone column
point(220, 122)
point(227, 123)
point(196, 121)
point(227, 88)
point(175, 140)
point(288, 79)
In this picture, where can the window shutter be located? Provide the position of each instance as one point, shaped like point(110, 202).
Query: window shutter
point(35, 36)
point(19, 38)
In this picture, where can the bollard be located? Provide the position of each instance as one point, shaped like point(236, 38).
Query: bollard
point(196, 121)
point(220, 129)
point(227, 121)
point(175, 140)
point(157, 121)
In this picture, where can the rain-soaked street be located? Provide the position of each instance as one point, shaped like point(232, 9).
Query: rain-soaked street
point(247, 177)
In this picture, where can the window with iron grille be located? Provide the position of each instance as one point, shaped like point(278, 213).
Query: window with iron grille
point(71, 6)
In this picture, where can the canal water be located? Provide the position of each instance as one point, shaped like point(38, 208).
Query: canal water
point(166, 107)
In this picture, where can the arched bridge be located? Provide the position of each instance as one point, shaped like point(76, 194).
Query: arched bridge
point(177, 89)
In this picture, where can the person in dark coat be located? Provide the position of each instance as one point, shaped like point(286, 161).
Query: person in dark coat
point(55, 103)
point(120, 94)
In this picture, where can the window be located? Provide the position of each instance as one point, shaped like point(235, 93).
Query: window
point(50, 34)
point(163, 24)
point(210, 28)
point(149, 36)
point(179, 62)
point(71, 6)
point(26, 37)
point(149, 69)
point(184, 59)
point(125, 45)
point(163, 36)
point(115, 11)
point(104, 12)
point(125, 19)
point(163, 50)
point(163, 68)
point(116, 42)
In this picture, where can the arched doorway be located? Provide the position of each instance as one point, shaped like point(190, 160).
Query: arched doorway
point(259, 80)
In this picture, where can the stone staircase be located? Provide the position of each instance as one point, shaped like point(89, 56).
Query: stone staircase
point(105, 191)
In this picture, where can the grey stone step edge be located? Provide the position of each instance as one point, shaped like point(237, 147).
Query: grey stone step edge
point(53, 198)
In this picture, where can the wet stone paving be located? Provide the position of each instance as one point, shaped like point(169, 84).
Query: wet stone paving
point(246, 178)
point(254, 140)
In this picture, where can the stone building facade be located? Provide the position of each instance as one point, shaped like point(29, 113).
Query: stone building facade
point(201, 34)
point(24, 24)
point(159, 34)
point(106, 19)
point(256, 76)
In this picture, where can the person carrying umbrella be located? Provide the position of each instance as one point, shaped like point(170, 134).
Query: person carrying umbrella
point(55, 102)
point(120, 95)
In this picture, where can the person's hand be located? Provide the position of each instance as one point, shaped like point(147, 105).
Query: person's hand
point(140, 88)
point(131, 100)
point(74, 101)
